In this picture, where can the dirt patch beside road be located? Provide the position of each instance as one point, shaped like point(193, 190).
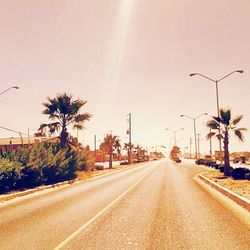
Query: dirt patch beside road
point(240, 187)
point(86, 175)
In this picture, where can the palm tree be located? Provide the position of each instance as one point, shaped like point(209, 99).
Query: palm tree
point(222, 125)
point(138, 150)
point(117, 146)
point(108, 145)
point(128, 147)
point(67, 112)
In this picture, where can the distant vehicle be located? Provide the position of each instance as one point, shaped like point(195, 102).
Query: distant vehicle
point(208, 157)
point(124, 163)
point(241, 159)
point(177, 160)
point(99, 167)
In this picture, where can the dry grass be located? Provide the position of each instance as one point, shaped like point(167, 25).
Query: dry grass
point(240, 187)
point(84, 175)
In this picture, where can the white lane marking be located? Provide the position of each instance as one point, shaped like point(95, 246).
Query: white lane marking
point(89, 222)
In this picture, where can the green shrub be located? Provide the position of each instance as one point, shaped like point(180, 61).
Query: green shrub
point(43, 163)
point(85, 161)
point(47, 164)
point(10, 173)
point(66, 164)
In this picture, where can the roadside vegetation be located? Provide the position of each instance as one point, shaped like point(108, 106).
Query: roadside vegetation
point(52, 161)
point(36, 165)
point(110, 144)
point(60, 158)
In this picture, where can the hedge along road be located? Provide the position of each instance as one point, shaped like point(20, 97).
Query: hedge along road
point(156, 206)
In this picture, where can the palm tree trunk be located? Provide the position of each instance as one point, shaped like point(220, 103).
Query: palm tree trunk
point(64, 135)
point(226, 155)
point(110, 154)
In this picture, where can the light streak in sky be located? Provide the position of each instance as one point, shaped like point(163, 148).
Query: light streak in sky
point(118, 43)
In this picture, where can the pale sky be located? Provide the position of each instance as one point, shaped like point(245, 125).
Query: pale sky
point(126, 56)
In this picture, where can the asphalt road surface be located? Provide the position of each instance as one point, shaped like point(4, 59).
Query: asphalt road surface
point(156, 205)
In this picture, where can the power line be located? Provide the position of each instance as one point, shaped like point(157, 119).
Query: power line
point(11, 130)
point(17, 103)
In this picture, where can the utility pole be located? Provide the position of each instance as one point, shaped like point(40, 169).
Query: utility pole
point(21, 137)
point(198, 142)
point(130, 136)
point(110, 149)
point(95, 145)
point(210, 142)
point(190, 146)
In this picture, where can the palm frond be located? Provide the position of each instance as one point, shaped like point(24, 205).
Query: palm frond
point(78, 126)
point(64, 102)
point(216, 118)
point(239, 134)
point(213, 124)
point(53, 127)
point(242, 129)
point(225, 115)
point(53, 116)
point(83, 117)
point(210, 135)
point(237, 119)
point(42, 126)
point(50, 108)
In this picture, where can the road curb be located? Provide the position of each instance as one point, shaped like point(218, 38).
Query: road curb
point(235, 197)
point(8, 197)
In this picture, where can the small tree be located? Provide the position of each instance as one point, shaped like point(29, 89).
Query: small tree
point(108, 145)
point(138, 150)
point(222, 125)
point(117, 146)
point(67, 112)
point(128, 147)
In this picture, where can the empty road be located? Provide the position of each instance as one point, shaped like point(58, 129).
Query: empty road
point(156, 205)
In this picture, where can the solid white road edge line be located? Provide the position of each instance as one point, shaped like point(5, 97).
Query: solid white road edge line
point(89, 222)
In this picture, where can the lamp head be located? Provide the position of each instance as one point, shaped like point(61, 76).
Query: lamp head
point(15, 87)
point(192, 74)
point(205, 113)
point(181, 115)
point(240, 71)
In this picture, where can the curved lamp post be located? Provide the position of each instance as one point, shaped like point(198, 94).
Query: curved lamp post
point(217, 93)
point(13, 87)
point(194, 118)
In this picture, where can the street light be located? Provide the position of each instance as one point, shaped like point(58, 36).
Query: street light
point(174, 131)
point(194, 118)
point(217, 94)
point(13, 87)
